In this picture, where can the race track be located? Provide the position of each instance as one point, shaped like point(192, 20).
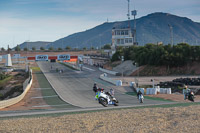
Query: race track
point(75, 87)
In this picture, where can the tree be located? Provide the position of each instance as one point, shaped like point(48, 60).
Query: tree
point(25, 49)
point(17, 48)
point(41, 48)
point(116, 57)
point(59, 49)
point(51, 48)
point(2, 49)
point(92, 48)
point(33, 48)
point(107, 46)
point(84, 48)
point(68, 48)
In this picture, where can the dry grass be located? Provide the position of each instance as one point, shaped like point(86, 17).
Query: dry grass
point(154, 120)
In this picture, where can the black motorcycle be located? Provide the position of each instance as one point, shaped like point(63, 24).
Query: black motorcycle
point(190, 96)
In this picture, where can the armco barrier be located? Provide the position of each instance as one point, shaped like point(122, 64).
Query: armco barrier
point(108, 71)
point(26, 86)
point(115, 82)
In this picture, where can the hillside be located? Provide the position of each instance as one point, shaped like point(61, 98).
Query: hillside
point(152, 28)
point(37, 45)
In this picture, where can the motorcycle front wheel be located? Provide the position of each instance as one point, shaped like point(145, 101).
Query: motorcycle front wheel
point(103, 101)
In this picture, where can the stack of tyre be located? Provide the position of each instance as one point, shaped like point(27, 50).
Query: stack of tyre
point(188, 81)
point(171, 84)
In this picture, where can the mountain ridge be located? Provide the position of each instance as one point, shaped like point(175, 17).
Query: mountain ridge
point(152, 28)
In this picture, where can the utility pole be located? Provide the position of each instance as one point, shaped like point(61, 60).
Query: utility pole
point(171, 33)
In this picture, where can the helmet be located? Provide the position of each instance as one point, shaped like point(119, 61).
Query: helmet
point(99, 89)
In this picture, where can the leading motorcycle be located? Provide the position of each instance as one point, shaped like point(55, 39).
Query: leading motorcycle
point(106, 99)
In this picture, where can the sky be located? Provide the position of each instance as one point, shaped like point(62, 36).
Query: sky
point(50, 20)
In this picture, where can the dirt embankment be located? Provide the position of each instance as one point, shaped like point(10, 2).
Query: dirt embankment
point(30, 101)
point(13, 86)
point(149, 120)
point(188, 69)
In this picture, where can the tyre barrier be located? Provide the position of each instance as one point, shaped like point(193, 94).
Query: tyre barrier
point(26, 86)
point(170, 84)
point(188, 81)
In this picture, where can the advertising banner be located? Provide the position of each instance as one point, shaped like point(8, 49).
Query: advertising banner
point(16, 55)
point(41, 57)
point(64, 57)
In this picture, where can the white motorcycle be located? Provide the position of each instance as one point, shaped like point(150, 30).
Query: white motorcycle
point(105, 99)
point(141, 98)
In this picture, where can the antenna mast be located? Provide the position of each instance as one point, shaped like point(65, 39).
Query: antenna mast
point(128, 13)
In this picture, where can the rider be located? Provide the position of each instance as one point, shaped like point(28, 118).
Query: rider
point(139, 93)
point(99, 91)
point(186, 92)
point(111, 93)
point(95, 88)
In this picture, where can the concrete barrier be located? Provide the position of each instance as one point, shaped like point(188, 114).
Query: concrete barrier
point(26, 86)
point(114, 82)
point(108, 71)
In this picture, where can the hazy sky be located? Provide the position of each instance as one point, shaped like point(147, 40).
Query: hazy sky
point(49, 20)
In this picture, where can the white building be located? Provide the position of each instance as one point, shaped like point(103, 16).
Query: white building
point(122, 37)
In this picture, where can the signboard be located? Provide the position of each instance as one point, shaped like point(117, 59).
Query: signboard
point(41, 57)
point(0, 58)
point(16, 55)
point(64, 57)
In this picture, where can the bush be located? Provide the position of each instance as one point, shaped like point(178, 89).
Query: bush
point(3, 76)
point(18, 88)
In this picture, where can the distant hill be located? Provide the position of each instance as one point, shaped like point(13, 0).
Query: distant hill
point(37, 45)
point(152, 28)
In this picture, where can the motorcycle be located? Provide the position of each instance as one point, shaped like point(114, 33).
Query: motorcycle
point(190, 96)
point(141, 98)
point(106, 99)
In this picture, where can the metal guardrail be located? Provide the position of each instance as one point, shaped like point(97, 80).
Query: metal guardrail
point(26, 87)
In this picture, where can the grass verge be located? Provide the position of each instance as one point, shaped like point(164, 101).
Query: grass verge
point(2, 82)
point(52, 101)
point(150, 98)
point(35, 69)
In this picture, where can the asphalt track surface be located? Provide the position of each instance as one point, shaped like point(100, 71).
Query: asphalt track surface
point(75, 87)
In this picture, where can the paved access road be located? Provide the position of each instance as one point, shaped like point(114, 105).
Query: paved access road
point(75, 87)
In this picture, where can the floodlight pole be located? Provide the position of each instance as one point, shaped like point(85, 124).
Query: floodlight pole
point(171, 34)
